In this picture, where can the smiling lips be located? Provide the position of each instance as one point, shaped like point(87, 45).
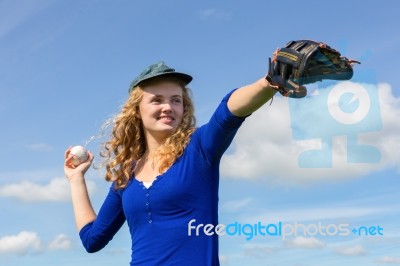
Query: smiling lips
point(166, 118)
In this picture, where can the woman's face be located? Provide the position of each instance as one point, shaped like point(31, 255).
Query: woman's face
point(161, 109)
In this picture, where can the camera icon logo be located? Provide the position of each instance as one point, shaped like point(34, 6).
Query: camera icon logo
point(350, 103)
point(349, 108)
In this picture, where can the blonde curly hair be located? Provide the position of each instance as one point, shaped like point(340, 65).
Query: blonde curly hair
point(128, 143)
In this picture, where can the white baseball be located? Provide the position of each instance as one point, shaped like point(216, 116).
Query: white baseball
point(80, 155)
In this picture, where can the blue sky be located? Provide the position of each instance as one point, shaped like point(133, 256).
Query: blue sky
point(66, 66)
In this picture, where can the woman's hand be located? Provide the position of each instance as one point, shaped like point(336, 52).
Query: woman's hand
point(73, 172)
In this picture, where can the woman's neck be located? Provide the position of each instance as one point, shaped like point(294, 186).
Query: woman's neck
point(152, 145)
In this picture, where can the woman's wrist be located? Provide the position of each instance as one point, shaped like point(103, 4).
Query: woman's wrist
point(76, 178)
point(266, 85)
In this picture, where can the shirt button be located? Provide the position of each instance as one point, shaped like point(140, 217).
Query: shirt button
point(147, 194)
point(147, 203)
point(150, 221)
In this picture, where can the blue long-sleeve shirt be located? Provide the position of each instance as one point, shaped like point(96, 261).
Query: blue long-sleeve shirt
point(158, 217)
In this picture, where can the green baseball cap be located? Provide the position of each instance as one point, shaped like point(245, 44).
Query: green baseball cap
point(156, 70)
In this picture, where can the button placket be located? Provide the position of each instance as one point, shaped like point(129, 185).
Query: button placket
point(149, 214)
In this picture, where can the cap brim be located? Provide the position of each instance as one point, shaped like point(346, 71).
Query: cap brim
point(181, 76)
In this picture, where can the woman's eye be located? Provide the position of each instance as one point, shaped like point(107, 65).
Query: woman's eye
point(176, 100)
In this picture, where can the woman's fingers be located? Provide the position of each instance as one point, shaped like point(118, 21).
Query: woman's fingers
point(66, 154)
point(68, 162)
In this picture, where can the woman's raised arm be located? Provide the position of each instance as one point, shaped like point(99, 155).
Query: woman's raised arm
point(249, 98)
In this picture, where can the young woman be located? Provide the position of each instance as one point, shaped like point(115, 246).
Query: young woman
point(165, 172)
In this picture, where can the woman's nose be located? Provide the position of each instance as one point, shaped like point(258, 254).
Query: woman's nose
point(166, 106)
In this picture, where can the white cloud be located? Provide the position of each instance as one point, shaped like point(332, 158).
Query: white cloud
point(346, 211)
point(39, 175)
point(40, 147)
point(55, 191)
point(390, 260)
point(20, 244)
point(264, 147)
point(235, 205)
point(258, 250)
point(304, 242)
point(117, 251)
point(27, 242)
point(223, 259)
point(357, 250)
point(316, 214)
point(214, 14)
point(60, 242)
